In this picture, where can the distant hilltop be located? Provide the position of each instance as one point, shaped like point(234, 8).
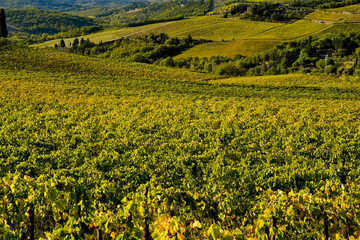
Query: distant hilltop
point(62, 5)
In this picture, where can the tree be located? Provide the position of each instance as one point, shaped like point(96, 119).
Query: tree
point(62, 43)
point(3, 30)
point(188, 39)
point(76, 43)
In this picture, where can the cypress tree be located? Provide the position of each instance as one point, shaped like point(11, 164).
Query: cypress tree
point(3, 30)
point(76, 43)
point(62, 43)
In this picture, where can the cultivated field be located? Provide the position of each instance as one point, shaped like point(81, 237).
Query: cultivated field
point(231, 36)
point(209, 28)
point(226, 29)
point(336, 28)
point(327, 16)
point(133, 150)
point(352, 8)
point(355, 18)
point(229, 48)
point(294, 30)
point(104, 36)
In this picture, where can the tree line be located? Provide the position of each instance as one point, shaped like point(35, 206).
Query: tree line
point(147, 49)
point(268, 11)
point(325, 54)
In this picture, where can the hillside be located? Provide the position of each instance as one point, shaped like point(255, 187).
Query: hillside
point(92, 145)
point(207, 27)
point(61, 5)
point(141, 12)
point(180, 119)
point(35, 21)
point(231, 36)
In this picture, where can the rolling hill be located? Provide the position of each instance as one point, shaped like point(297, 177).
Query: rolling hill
point(36, 21)
point(230, 36)
point(207, 27)
point(123, 145)
point(94, 143)
point(61, 5)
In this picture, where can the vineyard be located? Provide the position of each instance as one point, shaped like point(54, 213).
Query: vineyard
point(183, 25)
point(228, 49)
point(336, 28)
point(231, 36)
point(209, 28)
point(227, 29)
point(297, 29)
point(327, 16)
point(353, 18)
point(351, 8)
point(131, 32)
point(136, 151)
point(103, 36)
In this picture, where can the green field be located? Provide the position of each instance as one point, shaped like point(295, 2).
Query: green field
point(134, 149)
point(229, 49)
point(327, 16)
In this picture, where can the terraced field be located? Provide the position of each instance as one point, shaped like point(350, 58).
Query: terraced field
point(229, 49)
